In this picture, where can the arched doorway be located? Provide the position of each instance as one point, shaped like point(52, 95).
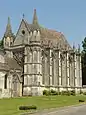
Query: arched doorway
point(16, 85)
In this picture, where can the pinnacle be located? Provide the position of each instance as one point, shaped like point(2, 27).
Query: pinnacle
point(8, 31)
point(35, 19)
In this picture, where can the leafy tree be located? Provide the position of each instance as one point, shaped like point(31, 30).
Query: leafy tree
point(84, 45)
point(84, 61)
point(1, 44)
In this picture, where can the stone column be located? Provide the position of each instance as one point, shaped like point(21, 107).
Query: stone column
point(27, 71)
point(50, 70)
point(60, 69)
point(67, 78)
point(55, 68)
point(71, 69)
point(80, 71)
point(75, 73)
point(43, 68)
point(36, 73)
point(46, 72)
point(63, 69)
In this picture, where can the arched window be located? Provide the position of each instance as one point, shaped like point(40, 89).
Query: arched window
point(5, 82)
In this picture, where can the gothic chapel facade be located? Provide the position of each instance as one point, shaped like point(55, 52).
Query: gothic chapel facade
point(37, 58)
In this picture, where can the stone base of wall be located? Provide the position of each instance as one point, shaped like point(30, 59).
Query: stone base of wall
point(32, 91)
point(8, 93)
point(37, 91)
point(5, 93)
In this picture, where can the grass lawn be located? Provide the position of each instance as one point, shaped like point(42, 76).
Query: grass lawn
point(10, 106)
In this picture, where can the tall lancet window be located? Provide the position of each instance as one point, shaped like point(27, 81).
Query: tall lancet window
point(5, 82)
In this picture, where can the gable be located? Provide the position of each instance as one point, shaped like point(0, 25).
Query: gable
point(22, 34)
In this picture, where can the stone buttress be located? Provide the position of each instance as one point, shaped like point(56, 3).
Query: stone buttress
point(32, 65)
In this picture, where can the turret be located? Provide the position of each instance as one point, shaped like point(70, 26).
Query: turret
point(35, 34)
point(33, 56)
point(8, 35)
point(35, 37)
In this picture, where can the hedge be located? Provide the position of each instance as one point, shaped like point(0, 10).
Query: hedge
point(27, 107)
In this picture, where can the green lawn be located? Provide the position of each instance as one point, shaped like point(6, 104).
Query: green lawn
point(10, 106)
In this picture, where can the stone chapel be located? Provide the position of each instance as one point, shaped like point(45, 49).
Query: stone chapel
point(37, 58)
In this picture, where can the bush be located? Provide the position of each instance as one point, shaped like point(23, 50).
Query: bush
point(53, 92)
point(66, 93)
point(84, 93)
point(73, 92)
point(81, 92)
point(63, 93)
point(27, 107)
point(46, 92)
point(59, 93)
point(50, 92)
point(81, 100)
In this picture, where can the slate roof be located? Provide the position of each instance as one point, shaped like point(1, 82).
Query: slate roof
point(49, 35)
point(46, 34)
point(8, 63)
point(12, 63)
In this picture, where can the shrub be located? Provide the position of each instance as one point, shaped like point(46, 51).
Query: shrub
point(73, 92)
point(63, 93)
point(56, 93)
point(81, 92)
point(23, 108)
point(84, 93)
point(66, 93)
point(81, 100)
point(46, 92)
point(27, 107)
point(50, 92)
point(59, 93)
point(53, 92)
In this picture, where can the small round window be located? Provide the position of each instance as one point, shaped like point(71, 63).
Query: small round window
point(23, 32)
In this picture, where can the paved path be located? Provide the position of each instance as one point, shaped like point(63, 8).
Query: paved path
point(74, 110)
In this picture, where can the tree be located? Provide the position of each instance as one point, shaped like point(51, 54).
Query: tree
point(84, 45)
point(84, 61)
point(1, 44)
point(84, 50)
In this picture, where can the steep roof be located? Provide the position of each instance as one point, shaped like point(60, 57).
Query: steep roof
point(8, 32)
point(12, 63)
point(44, 31)
point(49, 35)
point(46, 34)
point(7, 63)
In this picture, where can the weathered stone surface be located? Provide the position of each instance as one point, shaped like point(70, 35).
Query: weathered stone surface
point(39, 58)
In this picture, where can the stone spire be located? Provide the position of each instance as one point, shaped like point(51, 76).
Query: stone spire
point(8, 32)
point(35, 19)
